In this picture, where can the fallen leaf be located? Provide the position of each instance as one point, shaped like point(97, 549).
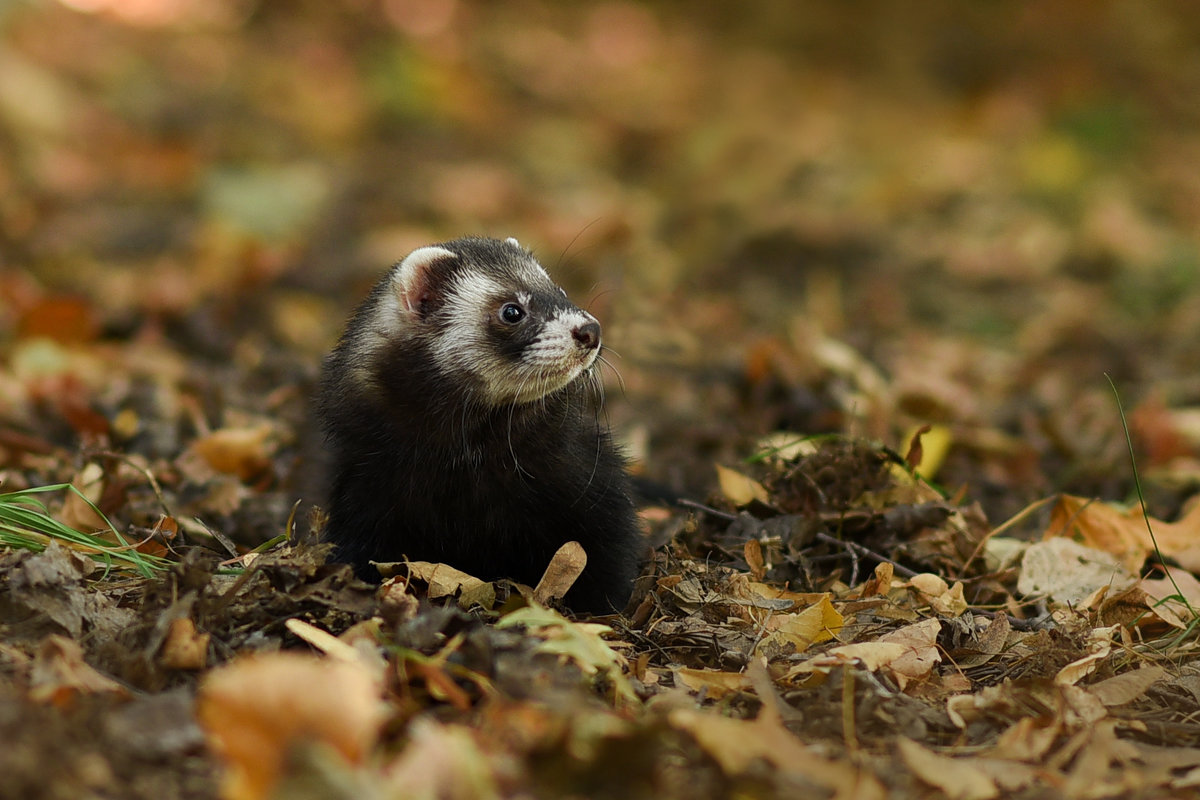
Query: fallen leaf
point(753, 553)
point(928, 583)
point(817, 623)
point(1069, 572)
point(578, 641)
point(1124, 533)
point(1176, 597)
point(184, 647)
point(59, 673)
point(446, 581)
point(255, 710)
point(564, 569)
point(441, 761)
point(1100, 645)
point(928, 446)
point(957, 777)
point(737, 744)
point(1126, 687)
point(78, 511)
point(908, 653)
point(244, 452)
point(714, 683)
point(739, 489)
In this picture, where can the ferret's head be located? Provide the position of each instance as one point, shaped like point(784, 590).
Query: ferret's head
point(488, 316)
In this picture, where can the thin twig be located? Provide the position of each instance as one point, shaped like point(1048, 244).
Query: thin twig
point(683, 501)
point(866, 551)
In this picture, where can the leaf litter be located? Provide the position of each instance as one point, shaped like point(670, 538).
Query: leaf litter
point(910, 572)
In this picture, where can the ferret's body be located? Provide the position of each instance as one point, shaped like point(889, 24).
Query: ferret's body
point(460, 418)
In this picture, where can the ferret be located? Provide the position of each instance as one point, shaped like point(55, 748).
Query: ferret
point(460, 411)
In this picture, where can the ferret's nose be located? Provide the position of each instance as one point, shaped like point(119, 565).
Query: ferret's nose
point(587, 336)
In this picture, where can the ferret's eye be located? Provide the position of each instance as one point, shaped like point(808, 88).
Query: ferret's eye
point(511, 313)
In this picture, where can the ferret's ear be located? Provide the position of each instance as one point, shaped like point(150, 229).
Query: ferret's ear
point(412, 278)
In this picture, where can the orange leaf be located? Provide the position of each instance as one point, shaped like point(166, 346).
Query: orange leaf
point(1123, 533)
point(256, 710)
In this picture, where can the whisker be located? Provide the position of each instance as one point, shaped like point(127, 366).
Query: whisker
point(594, 297)
point(617, 372)
point(512, 410)
point(571, 243)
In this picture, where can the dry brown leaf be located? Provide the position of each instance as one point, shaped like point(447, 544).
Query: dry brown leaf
point(76, 512)
point(561, 573)
point(255, 710)
point(1127, 686)
point(244, 452)
point(752, 552)
point(185, 647)
point(1174, 598)
point(716, 684)
point(446, 581)
point(928, 583)
point(739, 489)
point(442, 761)
point(959, 778)
point(950, 603)
point(908, 653)
point(1068, 572)
point(66, 319)
point(880, 582)
point(1123, 533)
point(59, 673)
point(737, 744)
point(1100, 644)
point(943, 599)
point(919, 641)
point(1029, 739)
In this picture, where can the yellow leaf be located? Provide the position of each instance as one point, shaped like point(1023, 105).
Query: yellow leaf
point(817, 623)
point(932, 442)
point(716, 683)
point(578, 641)
point(739, 489)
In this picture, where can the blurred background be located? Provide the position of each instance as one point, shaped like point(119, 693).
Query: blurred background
point(810, 217)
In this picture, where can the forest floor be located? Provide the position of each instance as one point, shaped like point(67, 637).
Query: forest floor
point(896, 297)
